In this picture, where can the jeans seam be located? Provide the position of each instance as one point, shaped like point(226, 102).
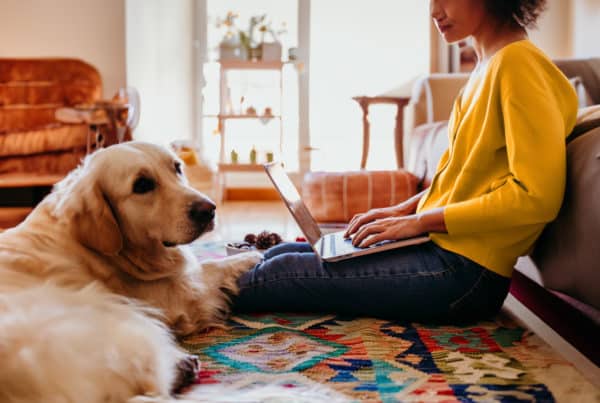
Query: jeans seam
point(408, 275)
point(470, 291)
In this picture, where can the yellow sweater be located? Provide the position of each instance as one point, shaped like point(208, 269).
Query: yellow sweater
point(503, 176)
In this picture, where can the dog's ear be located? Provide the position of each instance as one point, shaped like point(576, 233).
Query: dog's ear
point(95, 224)
point(88, 213)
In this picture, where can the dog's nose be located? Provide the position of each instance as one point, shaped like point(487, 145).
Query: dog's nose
point(202, 211)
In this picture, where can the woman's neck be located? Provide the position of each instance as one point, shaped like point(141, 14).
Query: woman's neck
point(490, 38)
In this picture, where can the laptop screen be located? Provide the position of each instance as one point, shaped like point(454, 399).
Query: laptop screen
point(292, 199)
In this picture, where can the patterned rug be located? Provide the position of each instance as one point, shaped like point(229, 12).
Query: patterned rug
point(365, 359)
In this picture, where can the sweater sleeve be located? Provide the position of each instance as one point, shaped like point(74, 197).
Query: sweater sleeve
point(535, 131)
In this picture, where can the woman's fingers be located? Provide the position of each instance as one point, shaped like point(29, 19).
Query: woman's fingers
point(360, 220)
point(382, 236)
point(365, 231)
point(351, 225)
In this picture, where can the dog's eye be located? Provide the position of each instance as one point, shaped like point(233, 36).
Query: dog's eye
point(143, 185)
point(178, 167)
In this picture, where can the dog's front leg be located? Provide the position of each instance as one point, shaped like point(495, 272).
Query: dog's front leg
point(200, 297)
point(224, 273)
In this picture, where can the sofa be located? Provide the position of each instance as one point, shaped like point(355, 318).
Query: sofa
point(559, 281)
point(32, 140)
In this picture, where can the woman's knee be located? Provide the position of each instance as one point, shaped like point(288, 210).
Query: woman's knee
point(287, 247)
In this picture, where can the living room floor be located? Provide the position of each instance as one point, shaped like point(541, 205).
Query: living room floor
point(235, 219)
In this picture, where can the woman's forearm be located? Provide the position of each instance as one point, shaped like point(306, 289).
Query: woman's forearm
point(432, 220)
point(409, 206)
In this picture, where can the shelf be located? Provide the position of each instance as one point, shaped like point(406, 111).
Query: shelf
point(229, 167)
point(243, 116)
point(250, 65)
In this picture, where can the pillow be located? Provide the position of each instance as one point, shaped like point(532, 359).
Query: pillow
point(583, 97)
point(588, 114)
point(338, 196)
point(587, 119)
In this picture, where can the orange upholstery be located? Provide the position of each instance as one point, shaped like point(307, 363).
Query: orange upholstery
point(338, 196)
point(30, 92)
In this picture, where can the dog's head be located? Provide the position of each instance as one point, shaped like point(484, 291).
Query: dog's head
point(132, 195)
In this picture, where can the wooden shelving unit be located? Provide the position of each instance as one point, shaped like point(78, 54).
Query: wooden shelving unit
point(224, 115)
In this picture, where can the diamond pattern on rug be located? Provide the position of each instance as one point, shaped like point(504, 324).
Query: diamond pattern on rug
point(375, 360)
point(275, 350)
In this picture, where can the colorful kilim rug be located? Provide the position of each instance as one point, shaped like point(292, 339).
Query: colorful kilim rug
point(373, 360)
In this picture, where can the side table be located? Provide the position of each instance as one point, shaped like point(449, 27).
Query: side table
point(106, 121)
point(400, 102)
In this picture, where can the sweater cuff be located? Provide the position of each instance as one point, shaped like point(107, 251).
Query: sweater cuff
point(458, 218)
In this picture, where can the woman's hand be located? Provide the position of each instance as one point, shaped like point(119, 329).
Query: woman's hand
point(388, 229)
point(394, 228)
point(375, 214)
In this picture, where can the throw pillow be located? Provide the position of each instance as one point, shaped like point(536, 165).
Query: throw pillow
point(583, 96)
point(587, 119)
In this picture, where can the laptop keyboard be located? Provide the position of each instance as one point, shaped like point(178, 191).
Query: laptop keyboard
point(341, 246)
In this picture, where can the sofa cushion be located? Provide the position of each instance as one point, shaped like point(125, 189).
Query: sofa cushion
point(567, 254)
point(57, 138)
point(589, 72)
point(60, 162)
point(338, 196)
point(46, 92)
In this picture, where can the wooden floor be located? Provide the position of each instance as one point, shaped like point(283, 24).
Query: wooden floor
point(236, 219)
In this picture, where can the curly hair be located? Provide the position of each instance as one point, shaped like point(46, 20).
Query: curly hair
point(522, 12)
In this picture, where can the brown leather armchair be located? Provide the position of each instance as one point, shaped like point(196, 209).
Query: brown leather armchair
point(31, 90)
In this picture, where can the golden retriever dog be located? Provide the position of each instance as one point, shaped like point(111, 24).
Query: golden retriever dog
point(94, 283)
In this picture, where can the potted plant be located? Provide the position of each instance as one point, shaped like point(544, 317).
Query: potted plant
point(231, 47)
point(239, 44)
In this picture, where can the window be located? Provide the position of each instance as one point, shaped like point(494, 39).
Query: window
point(361, 48)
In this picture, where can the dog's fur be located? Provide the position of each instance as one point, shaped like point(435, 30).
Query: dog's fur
point(92, 281)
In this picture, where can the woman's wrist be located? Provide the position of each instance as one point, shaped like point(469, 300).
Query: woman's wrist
point(408, 206)
point(431, 221)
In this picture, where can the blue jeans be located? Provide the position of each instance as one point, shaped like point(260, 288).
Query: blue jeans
point(422, 283)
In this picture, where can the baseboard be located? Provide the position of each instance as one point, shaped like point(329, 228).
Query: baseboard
point(261, 194)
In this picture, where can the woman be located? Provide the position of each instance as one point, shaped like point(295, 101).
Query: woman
point(499, 183)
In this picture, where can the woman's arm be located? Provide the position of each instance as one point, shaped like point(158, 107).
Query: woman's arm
point(400, 227)
point(409, 206)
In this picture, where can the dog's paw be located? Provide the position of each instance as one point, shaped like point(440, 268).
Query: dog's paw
point(250, 259)
point(187, 372)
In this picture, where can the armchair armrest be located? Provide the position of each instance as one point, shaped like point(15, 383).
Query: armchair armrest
point(431, 101)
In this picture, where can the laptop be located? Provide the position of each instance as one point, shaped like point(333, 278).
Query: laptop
point(330, 247)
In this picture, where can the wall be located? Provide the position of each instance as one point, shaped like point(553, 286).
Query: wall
point(160, 64)
point(569, 28)
point(586, 29)
point(554, 34)
point(91, 30)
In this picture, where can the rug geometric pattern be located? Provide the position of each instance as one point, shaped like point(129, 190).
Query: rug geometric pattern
point(374, 360)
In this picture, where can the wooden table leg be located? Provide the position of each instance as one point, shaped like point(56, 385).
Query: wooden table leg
point(399, 134)
point(366, 134)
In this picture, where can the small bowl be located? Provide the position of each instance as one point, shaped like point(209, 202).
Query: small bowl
point(234, 250)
